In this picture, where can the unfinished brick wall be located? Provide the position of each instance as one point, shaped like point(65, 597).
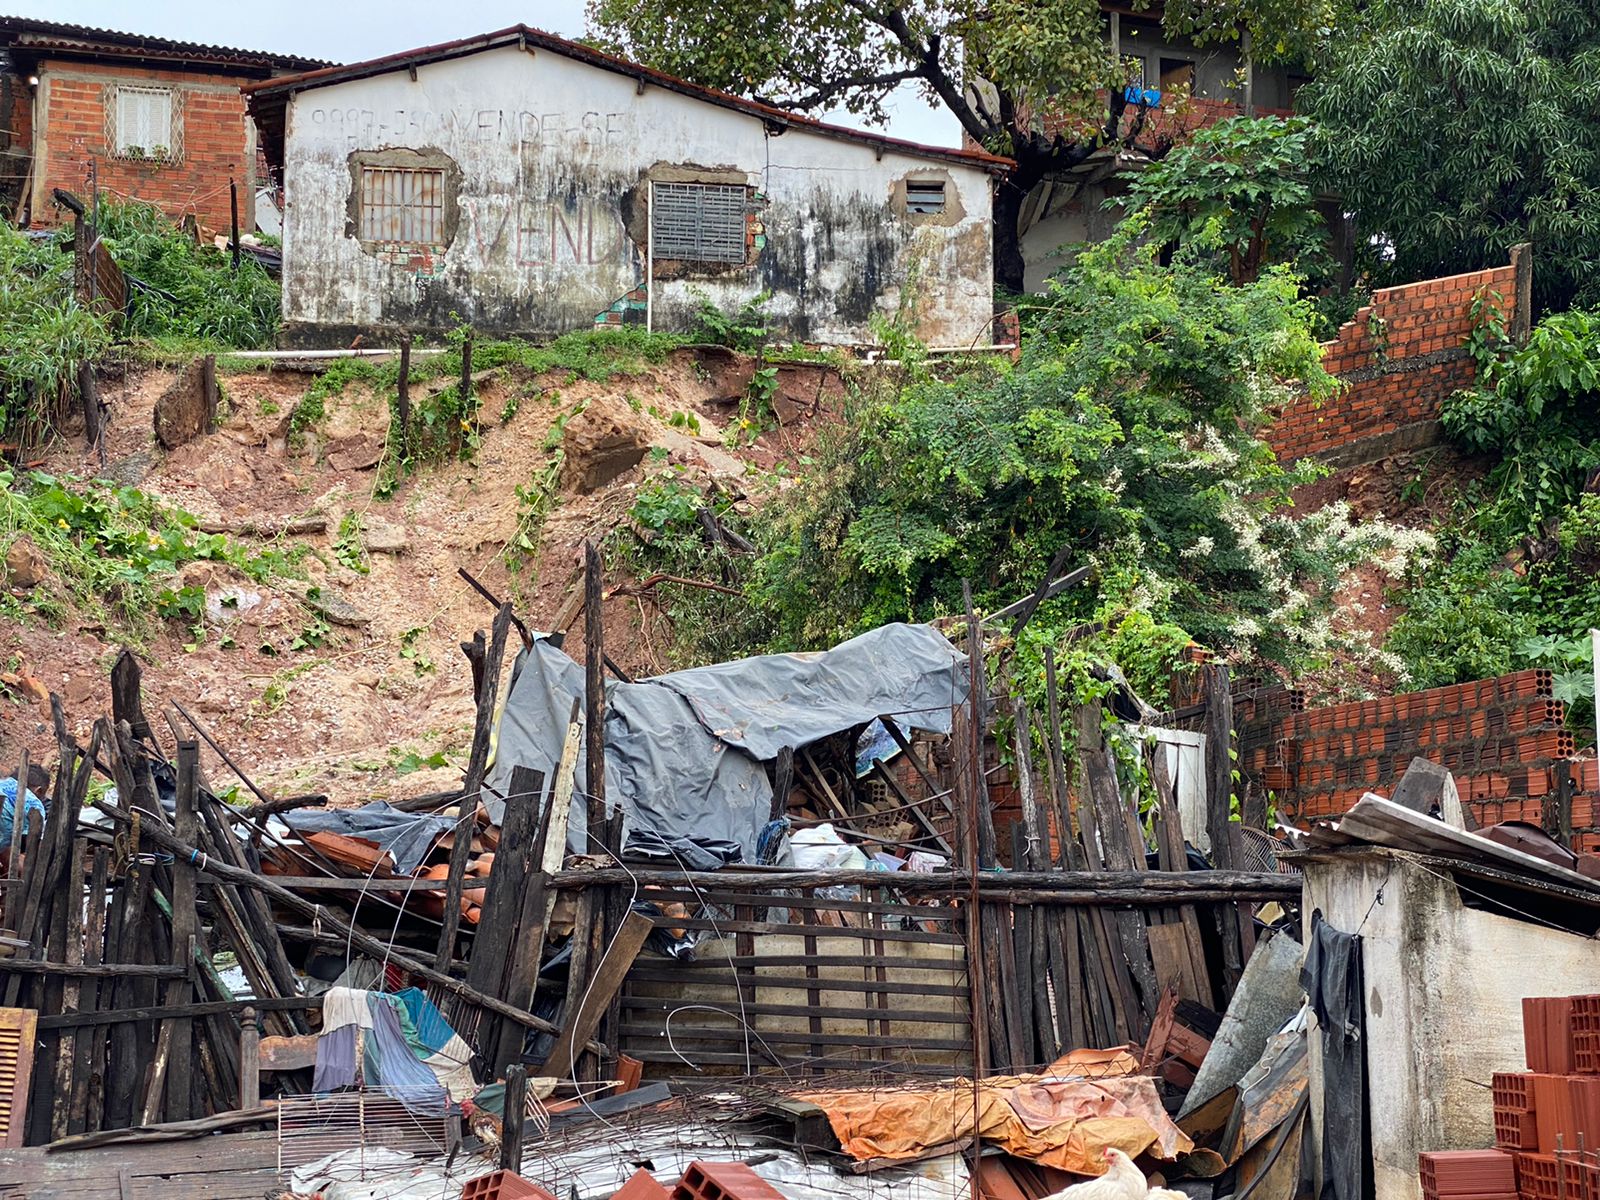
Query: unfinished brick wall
point(1399, 357)
point(217, 142)
point(1503, 739)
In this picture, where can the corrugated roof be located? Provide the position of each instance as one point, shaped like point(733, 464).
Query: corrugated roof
point(43, 37)
point(269, 98)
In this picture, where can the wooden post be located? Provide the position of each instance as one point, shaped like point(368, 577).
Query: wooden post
point(125, 700)
point(169, 1074)
point(516, 1108)
point(233, 219)
point(403, 403)
point(1219, 763)
point(249, 1060)
point(11, 901)
point(208, 390)
point(88, 393)
point(594, 713)
point(466, 826)
point(466, 372)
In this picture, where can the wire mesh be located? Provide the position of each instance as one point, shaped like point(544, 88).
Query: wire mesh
point(312, 1127)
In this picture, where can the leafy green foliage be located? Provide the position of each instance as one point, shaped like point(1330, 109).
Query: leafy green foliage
point(1518, 569)
point(115, 551)
point(1046, 89)
point(1238, 196)
point(349, 550)
point(1455, 129)
point(44, 335)
point(747, 330)
point(211, 303)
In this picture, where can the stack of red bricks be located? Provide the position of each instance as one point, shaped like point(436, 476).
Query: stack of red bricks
point(1501, 738)
point(1548, 1117)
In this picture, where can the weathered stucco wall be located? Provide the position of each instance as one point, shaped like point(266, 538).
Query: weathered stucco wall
point(547, 230)
point(1445, 985)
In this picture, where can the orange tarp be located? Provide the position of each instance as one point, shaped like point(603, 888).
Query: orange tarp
point(1066, 1117)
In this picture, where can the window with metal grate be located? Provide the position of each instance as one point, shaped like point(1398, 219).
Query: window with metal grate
point(698, 222)
point(142, 123)
point(924, 196)
point(402, 205)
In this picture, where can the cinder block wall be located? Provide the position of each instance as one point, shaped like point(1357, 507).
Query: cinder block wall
point(1504, 739)
point(1399, 358)
point(218, 142)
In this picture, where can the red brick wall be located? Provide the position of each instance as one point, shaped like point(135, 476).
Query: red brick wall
point(216, 144)
point(1501, 738)
point(1399, 358)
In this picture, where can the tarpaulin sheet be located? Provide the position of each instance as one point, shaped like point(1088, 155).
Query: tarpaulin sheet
point(405, 837)
point(684, 751)
point(1058, 1122)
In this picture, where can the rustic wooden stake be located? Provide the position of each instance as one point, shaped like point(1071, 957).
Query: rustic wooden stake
point(403, 403)
point(233, 219)
point(466, 826)
point(516, 1108)
point(594, 699)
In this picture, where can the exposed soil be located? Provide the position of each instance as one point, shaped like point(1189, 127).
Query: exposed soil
point(339, 717)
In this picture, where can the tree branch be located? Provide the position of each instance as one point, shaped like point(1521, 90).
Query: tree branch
point(824, 93)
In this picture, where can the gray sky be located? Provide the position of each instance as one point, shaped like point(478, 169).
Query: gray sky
point(350, 30)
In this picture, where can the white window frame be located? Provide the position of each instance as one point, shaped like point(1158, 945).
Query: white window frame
point(142, 144)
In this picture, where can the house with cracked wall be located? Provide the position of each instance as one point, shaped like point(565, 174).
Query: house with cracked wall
point(531, 185)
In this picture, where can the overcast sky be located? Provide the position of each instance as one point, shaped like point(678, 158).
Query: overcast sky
point(351, 30)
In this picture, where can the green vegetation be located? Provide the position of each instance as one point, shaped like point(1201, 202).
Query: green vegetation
point(1457, 128)
point(114, 552)
point(44, 335)
point(1124, 436)
point(206, 303)
point(1517, 577)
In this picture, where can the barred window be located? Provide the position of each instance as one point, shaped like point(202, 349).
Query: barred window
point(142, 123)
point(698, 222)
point(402, 204)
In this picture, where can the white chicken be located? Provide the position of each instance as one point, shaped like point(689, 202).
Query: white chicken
point(1122, 1181)
point(1163, 1193)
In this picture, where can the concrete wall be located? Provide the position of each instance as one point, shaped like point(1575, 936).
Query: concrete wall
point(550, 228)
point(1445, 986)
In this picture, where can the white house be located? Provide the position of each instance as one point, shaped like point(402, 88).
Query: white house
point(531, 185)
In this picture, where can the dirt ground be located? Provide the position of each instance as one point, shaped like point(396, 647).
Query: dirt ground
point(343, 717)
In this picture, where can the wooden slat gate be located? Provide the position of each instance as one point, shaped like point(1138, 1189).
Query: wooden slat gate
point(808, 982)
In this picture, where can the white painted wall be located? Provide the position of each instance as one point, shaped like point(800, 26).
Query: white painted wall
point(549, 150)
point(1445, 985)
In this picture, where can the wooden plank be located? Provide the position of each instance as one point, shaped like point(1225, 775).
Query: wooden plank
point(828, 931)
point(206, 1008)
point(870, 1015)
point(580, 1024)
point(682, 1033)
point(174, 1052)
point(67, 1046)
point(88, 1074)
point(1172, 853)
point(811, 981)
point(477, 763)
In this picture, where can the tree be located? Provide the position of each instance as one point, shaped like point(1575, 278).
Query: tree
point(1455, 129)
point(1031, 79)
point(1238, 195)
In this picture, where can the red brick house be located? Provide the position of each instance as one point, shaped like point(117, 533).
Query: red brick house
point(162, 121)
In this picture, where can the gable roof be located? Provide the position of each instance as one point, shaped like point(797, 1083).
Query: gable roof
point(269, 99)
point(26, 37)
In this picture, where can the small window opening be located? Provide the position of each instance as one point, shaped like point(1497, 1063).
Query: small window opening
point(924, 196)
point(1177, 75)
point(402, 205)
point(698, 222)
